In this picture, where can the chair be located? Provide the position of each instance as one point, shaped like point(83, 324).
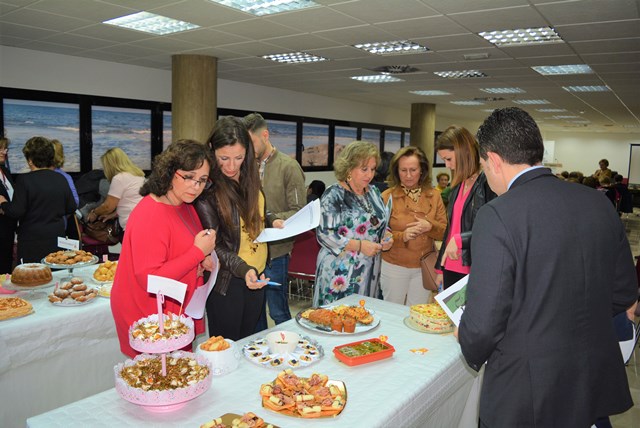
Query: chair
point(87, 243)
point(302, 265)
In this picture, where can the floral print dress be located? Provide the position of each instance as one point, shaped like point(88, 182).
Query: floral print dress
point(347, 216)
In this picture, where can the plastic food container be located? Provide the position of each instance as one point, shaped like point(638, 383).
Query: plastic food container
point(363, 351)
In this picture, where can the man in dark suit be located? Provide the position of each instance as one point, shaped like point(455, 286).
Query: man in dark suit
point(551, 266)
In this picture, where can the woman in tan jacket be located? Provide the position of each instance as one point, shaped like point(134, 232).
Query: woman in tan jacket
point(418, 217)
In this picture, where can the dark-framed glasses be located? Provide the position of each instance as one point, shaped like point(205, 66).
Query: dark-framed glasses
point(203, 182)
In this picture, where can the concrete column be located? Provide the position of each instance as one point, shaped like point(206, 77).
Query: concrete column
point(423, 127)
point(194, 96)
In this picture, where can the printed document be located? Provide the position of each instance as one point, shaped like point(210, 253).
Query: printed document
point(306, 219)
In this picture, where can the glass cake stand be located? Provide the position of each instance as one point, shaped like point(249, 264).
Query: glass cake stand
point(70, 268)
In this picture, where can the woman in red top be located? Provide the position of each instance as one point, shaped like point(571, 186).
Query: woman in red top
point(164, 237)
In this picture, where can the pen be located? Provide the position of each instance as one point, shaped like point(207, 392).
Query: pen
point(268, 282)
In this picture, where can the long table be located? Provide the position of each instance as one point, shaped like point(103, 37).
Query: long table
point(407, 390)
point(56, 355)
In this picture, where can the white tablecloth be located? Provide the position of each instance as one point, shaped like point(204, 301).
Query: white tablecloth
point(407, 390)
point(55, 356)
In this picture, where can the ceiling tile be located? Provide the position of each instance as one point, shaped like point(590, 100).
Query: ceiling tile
point(575, 12)
point(92, 10)
point(508, 18)
point(607, 46)
point(315, 19)
point(44, 20)
point(358, 34)
point(457, 6)
point(422, 27)
point(599, 31)
point(374, 11)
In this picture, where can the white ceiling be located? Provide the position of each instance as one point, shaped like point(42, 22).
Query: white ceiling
point(605, 34)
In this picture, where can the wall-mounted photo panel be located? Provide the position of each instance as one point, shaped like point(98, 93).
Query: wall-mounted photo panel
point(371, 135)
point(24, 119)
point(437, 160)
point(343, 135)
point(167, 133)
point(282, 135)
point(392, 141)
point(127, 128)
point(315, 145)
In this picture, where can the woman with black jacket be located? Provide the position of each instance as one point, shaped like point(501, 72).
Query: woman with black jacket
point(235, 207)
point(470, 191)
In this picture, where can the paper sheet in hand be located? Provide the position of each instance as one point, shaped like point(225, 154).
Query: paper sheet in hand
point(453, 300)
point(306, 219)
point(166, 286)
point(195, 308)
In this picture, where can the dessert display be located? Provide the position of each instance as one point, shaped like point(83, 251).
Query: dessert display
point(69, 257)
point(305, 353)
point(106, 271)
point(31, 274)
point(145, 335)
point(73, 292)
point(232, 420)
point(364, 351)
point(140, 380)
point(312, 397)
point(105, 290)
point(14, 307)
point(221, 353)
point(341, 319)
point(430, 318)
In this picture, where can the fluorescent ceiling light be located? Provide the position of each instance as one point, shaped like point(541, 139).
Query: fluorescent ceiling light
point(395, 47)
point(294, 57)
point(461, 74)
point(467, 103)
point(503, 90)
point(551, 110)
point(586, 88)
point(377, 78)
point(488, 110)
point(531, 102)
point(432, 93)
point(266, 7)
point(151, 23)
point(547, 70)
point(522, 36)
point(565, 117)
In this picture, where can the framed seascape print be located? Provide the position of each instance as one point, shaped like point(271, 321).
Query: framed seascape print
point(342, 136)
point(283, 136)
point(167, 133)
point(437, 160)
point(371, 135)
point(315, 145)
point(392, 141)
point(127, 128)
point(24, 119)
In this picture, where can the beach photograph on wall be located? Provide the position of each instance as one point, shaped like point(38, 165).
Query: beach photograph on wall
point(372, 136)
point(24, 119)
point(127, 128)
point(315, 144)
point(392, 141)
point(167, 134)
point(282, 135)
point(343, 136)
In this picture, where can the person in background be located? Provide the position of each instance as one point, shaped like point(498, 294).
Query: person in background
point(7, 224)
point(543, 289)
point(590, 182)
point(418, 217)
point(315, 190)
point(382, 172)
point(58, 163)
point(125, 179)
point(41, 200)
point(443, 187)
point(352, 230)
point(470, 191)
point(283, 186)
point(603, 171)
point(623, 199)
point(164, 238)
point(235, 207)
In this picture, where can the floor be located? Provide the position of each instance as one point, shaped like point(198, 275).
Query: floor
point(630, 419)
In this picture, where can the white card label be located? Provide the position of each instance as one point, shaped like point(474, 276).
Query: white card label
point(68, 244)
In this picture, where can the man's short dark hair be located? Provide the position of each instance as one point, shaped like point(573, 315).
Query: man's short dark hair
point(513, 135)
point(254, 121)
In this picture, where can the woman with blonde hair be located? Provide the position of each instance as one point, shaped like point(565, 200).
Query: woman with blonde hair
point(125, 180)
point(418, 217)
point(469, 191)
point(58, 163)
point(352, 228)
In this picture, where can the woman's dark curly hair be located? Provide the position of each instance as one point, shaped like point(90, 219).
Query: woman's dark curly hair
point(40, 151)
point(187, 155)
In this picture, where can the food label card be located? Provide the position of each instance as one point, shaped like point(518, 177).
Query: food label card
point(166, 286)
point(68, 244)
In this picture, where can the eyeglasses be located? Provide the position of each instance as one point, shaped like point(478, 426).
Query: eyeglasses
point(202, 182)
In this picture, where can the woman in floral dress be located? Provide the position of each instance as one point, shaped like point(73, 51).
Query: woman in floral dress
point(353, 228)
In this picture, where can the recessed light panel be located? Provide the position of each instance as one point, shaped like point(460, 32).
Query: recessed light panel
point(586, 88)
point(467, 103)
point(565, 117)
point(522, 36)
point(550, 70)
point(531, 102)
point(266, 7)
point(395, 47)
point(433, 93)
point(151, 23)
point(551, 110)
point(461, 74)
point(294, 57)
point(503, 90)
point(377, 78)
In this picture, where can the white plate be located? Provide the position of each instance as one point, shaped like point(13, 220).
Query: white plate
point(317, 328)
point(412, 325)
point(70, 302)
point(105, 290)
point(15, 287)
point(306, 353)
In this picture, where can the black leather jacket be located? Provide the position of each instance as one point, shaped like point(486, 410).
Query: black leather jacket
point(480, 194)
point(227, 241)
